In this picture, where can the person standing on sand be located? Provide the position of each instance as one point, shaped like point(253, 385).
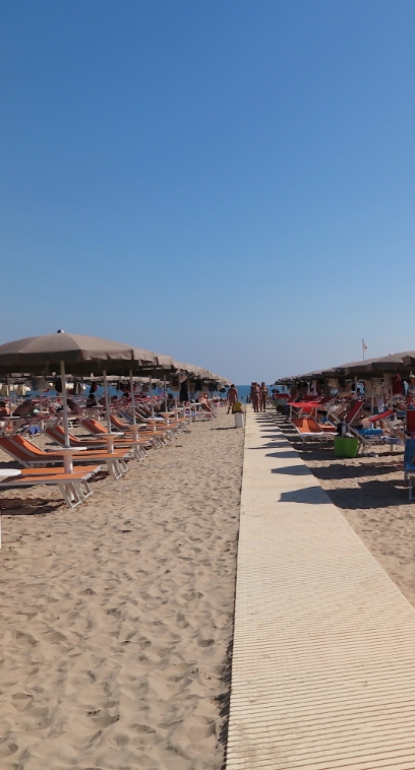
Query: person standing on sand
point(254, 394)
point(232, 397)
point(263, 397)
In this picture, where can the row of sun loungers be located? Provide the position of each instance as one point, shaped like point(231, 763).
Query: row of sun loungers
point(378, 428)
point(45, 467)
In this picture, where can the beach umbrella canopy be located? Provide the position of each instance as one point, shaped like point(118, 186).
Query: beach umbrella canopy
point(394, 362)
point(71, 353)
point(409, 359)
point(80, 352)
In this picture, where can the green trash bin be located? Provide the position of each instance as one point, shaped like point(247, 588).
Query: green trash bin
point(345, 446)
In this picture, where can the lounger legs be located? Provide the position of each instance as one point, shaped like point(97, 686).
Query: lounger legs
point(74, 492)
point(139, 453)
point(117, 468)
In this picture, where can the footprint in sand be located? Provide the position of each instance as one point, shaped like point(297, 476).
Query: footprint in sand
point(23, 639)
point(6, 749)
point(206, 642)
point(181, 620)
point(21, 700)
point(103, 718)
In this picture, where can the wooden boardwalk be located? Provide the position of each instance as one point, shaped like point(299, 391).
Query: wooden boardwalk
point(323, 674)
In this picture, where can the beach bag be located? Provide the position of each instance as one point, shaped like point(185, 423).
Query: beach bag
point(236, 407)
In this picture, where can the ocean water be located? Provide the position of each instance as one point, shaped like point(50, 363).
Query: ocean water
point(243, 390)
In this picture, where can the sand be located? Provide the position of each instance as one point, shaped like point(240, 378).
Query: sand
point(117, 617)
point(371, 493)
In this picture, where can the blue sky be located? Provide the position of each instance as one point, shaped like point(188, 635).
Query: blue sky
point(230, 181)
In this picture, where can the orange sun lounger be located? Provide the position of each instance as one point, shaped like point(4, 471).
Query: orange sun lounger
point(57, 434)
point(74, 487)
point(29, 454)
point(307, 428)
point(158, 436)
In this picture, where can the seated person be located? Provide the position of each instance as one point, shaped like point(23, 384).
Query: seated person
point(166, 404)
point(73, 406)
point(143, 411)
point(170, 402)
point(92, 399)
point(204, 401)
point(25, 409)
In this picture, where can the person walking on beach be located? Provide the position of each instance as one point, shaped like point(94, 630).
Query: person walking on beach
point(232, 397)
point(263, 397)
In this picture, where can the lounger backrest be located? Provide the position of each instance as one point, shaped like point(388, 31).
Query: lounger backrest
point(303, 425)
point(353, 411)
point(382, 416)
point(117, 422)
point(31, 449)
point(57, 433)
point(14, 450)
point(299, 422)
point(54, 434)
point(313, 425)
point(93, 426)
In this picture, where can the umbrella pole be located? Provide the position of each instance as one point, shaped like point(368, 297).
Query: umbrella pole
point(151, 399)
point(107, 401)
point(188, 396)
point(165, 394)
point(65, 405)
point(132, 396)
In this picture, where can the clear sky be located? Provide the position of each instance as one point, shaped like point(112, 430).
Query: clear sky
point(230, 182)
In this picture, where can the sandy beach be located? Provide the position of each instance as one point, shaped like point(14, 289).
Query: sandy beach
point(371, 493)
point(117, 617)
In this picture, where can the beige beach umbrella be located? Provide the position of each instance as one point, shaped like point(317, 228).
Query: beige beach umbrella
point(75, 353)
point(409, 359)
point(393, 362)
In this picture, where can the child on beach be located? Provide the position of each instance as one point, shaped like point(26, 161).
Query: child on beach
point(232, 397)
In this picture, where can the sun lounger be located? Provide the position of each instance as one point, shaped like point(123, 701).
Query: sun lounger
point(158, 436)
point(29, 454)
point(308, 429)
point(74, 487)
point(325, 427)
point(349, 416)
point(390, 431)
point(57, 434)
point(174, 426)
point(382, 416)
